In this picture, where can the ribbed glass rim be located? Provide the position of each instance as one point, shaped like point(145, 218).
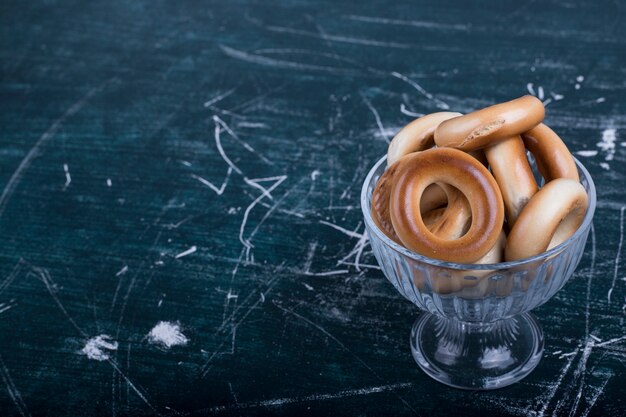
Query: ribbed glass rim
point(460, 266)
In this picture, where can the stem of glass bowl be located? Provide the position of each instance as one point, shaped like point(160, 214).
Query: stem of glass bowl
point(477, 356)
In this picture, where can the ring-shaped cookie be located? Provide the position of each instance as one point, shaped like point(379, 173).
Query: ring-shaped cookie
point(483, 127)
point(416, 136)
point(553, 158)
point(513, 174)
point(554, 213)
point(443, 165)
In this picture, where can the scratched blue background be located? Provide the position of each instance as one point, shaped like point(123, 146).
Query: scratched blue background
point(198, 165)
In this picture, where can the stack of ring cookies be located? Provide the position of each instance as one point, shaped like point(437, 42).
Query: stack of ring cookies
point(459, 188)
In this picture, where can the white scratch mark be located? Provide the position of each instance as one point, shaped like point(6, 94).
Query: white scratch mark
point(14, 393)
point(122, 271)
point(339, 38)
point(279, 63)
point(554, 388)
point(379, 123)
point(167, 334)
point(415, 23)
point(342, 230)
point(590, 278)
point(327, 273)
point(619, 250)
point(109, 182)
point(546, 102)
point(611, 341)
point(530, 89)
point(45, 277)
point(16, 177)
point(185, 163)
point(404, 110)
point(262, 297)
point(587, 153)
point(68, 177)
point(131, 385)
point(315, 174)
point(220, 190)
point(308, 287)
point(253, 125)
point(220, 149)
point(360, 265)
point(96, 348)
point(580, 79)
point(580, 371)
point(599, 392)
point(596, 338)
point(600, 100)
point(439, 103)
point(187, 252)
point(540, 93)
point(279, 402)
point(219, 97)
point(569, 354)
point(605, 166)
point(265, 193)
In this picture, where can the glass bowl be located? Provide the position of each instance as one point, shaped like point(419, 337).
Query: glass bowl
point(475, 331)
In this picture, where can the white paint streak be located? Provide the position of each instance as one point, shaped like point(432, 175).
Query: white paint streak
point(554, 388)
point(279, 402)
point(308, 287)
point(218, 190)
point(96, 348)
point(530, 89)
point(611, 341)
point(342, 230)
point(109, 182)
point(379, 123)
point(278, 63)
point(265, 193)
point(594, 398)
point(327, 273)
point(189, 251)
point(167, 334)
point(439, 103)
point(414, 23)
point(404, 110)
point(219, 97)
point(540, 93)
point(122, 271)
point(587, 153)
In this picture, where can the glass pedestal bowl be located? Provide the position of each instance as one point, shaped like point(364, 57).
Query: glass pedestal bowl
point(475, 331)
